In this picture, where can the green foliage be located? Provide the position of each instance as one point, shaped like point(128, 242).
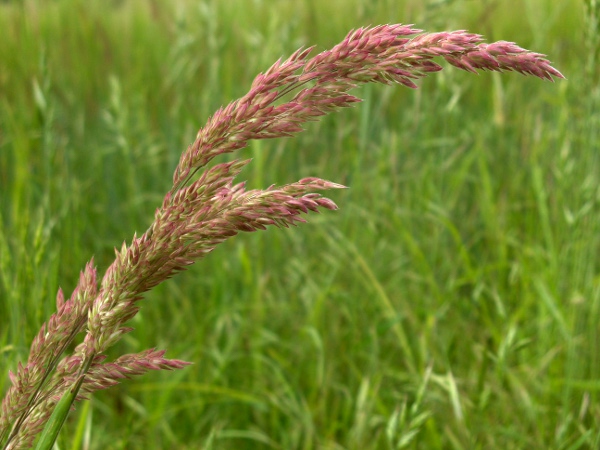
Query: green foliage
point(453, 300)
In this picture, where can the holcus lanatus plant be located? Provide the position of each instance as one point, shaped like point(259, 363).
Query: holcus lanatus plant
point(205, 207)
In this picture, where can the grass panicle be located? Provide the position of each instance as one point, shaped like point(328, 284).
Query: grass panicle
point(203, 210)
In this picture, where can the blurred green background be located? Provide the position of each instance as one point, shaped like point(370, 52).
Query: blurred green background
point(451, 303)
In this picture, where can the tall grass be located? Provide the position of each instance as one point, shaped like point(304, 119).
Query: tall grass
point(455, 293)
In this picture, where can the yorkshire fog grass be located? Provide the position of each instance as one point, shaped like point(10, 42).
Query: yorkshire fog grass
point(201, 211)
point(433, 320)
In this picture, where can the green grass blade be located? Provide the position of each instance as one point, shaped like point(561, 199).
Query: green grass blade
point(57, 419)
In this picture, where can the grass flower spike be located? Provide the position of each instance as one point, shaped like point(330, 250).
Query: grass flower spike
point(205, 206)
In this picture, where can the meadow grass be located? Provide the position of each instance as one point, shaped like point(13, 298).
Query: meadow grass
point(452, 302)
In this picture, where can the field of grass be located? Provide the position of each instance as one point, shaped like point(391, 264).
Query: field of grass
point(453, 301)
